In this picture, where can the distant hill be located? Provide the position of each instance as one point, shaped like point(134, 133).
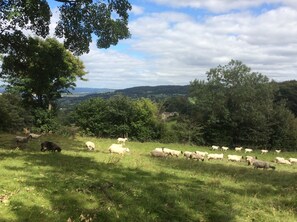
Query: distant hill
point(153, 92)
point(85, 90)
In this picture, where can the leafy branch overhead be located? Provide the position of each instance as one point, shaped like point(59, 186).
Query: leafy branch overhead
point(79, 21)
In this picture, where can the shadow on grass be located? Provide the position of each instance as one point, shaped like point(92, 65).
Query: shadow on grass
point(75, 186)
point(263, 184)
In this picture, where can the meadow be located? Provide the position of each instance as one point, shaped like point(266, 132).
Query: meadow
point(81, 185)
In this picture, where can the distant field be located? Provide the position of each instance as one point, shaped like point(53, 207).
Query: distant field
point(80, 185)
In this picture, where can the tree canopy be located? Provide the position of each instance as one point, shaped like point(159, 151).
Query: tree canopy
point(41, 70)
point(237, 107)
point(79, 20)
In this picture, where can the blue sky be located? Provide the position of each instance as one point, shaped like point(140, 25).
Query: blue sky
point(176, 41)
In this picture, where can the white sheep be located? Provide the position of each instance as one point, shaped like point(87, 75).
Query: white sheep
point(35, 136)
point(278, 151)
point(235, 158)
point(157, 153)
point(122, 140)
point(172, 152)
point(118, 148)
point(282, 160)
point(248, 158)
point(175, 153)
point(196, 156)
point(225, 148)
point(158, 149)
point(238, 148)
point(293, 160)
point(188, 154)
point(215, 147)
point(90, 145)
point(279, 158)
point(248, 150)
point(264, 151)
point(202, 153)
point(215, 156)
point(166, 150)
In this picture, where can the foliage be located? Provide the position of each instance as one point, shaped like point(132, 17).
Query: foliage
point(288, 92)
point(45, 121)
point(118, 116)
point(13, 117)
point(79, 20)
point(41, 70)
point(236, 107)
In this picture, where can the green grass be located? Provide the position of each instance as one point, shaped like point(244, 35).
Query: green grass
point(80, 185)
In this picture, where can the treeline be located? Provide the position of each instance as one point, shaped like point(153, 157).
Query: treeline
point(233, 107)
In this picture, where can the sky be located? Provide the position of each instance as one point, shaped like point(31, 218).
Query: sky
point(174, 42)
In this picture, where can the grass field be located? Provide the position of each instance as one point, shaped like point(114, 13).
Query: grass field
point(80, 185)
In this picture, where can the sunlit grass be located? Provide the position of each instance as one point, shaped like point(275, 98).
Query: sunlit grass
point(77, 184)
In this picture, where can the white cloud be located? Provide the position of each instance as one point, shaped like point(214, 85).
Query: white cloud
point(219, 6)
point(175, 47)
point(137, 10)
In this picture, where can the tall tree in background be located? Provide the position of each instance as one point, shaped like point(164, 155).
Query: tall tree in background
point(79, 20)
point(235, 105)
point(41, 70)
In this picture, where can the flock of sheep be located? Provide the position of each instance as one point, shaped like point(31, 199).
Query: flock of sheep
point(119, 148)
point(200, 155)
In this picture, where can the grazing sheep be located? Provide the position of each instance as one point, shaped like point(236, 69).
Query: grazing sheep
point(50, 146)
point(196, 156)
point(238, 148)
point(282, 160)
point(118, 148)
point(175, 153)
point(22, 139)
point(264, 151)
point(248, 150)
point(188, 154)
point(90, 145)
point(122, 140)
point(261, 164)
point(293, 160)
point(250, 158)
point(202, 153)
point(159, 149)
point(215, 156)
point(279, 158)
point(277, 151)
point(172, 152)
point(26, 131)
point(157, 153)
point(35, 136)
point(235, 158)
point(225, 148)
point(215, 147)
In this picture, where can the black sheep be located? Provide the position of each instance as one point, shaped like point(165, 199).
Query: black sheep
point(50, 146)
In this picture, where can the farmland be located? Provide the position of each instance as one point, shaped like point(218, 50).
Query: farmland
point(79, 185)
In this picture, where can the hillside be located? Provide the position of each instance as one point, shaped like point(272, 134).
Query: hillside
point(152, 92)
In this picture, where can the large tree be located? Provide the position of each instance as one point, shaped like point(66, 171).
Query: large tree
point(79, 21)
point(235, 105)
point(41, 70)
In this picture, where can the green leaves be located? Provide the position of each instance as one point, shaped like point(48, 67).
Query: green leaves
point(79, 22)
point(237, 107)
point(41, 70)
point(119, 116)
